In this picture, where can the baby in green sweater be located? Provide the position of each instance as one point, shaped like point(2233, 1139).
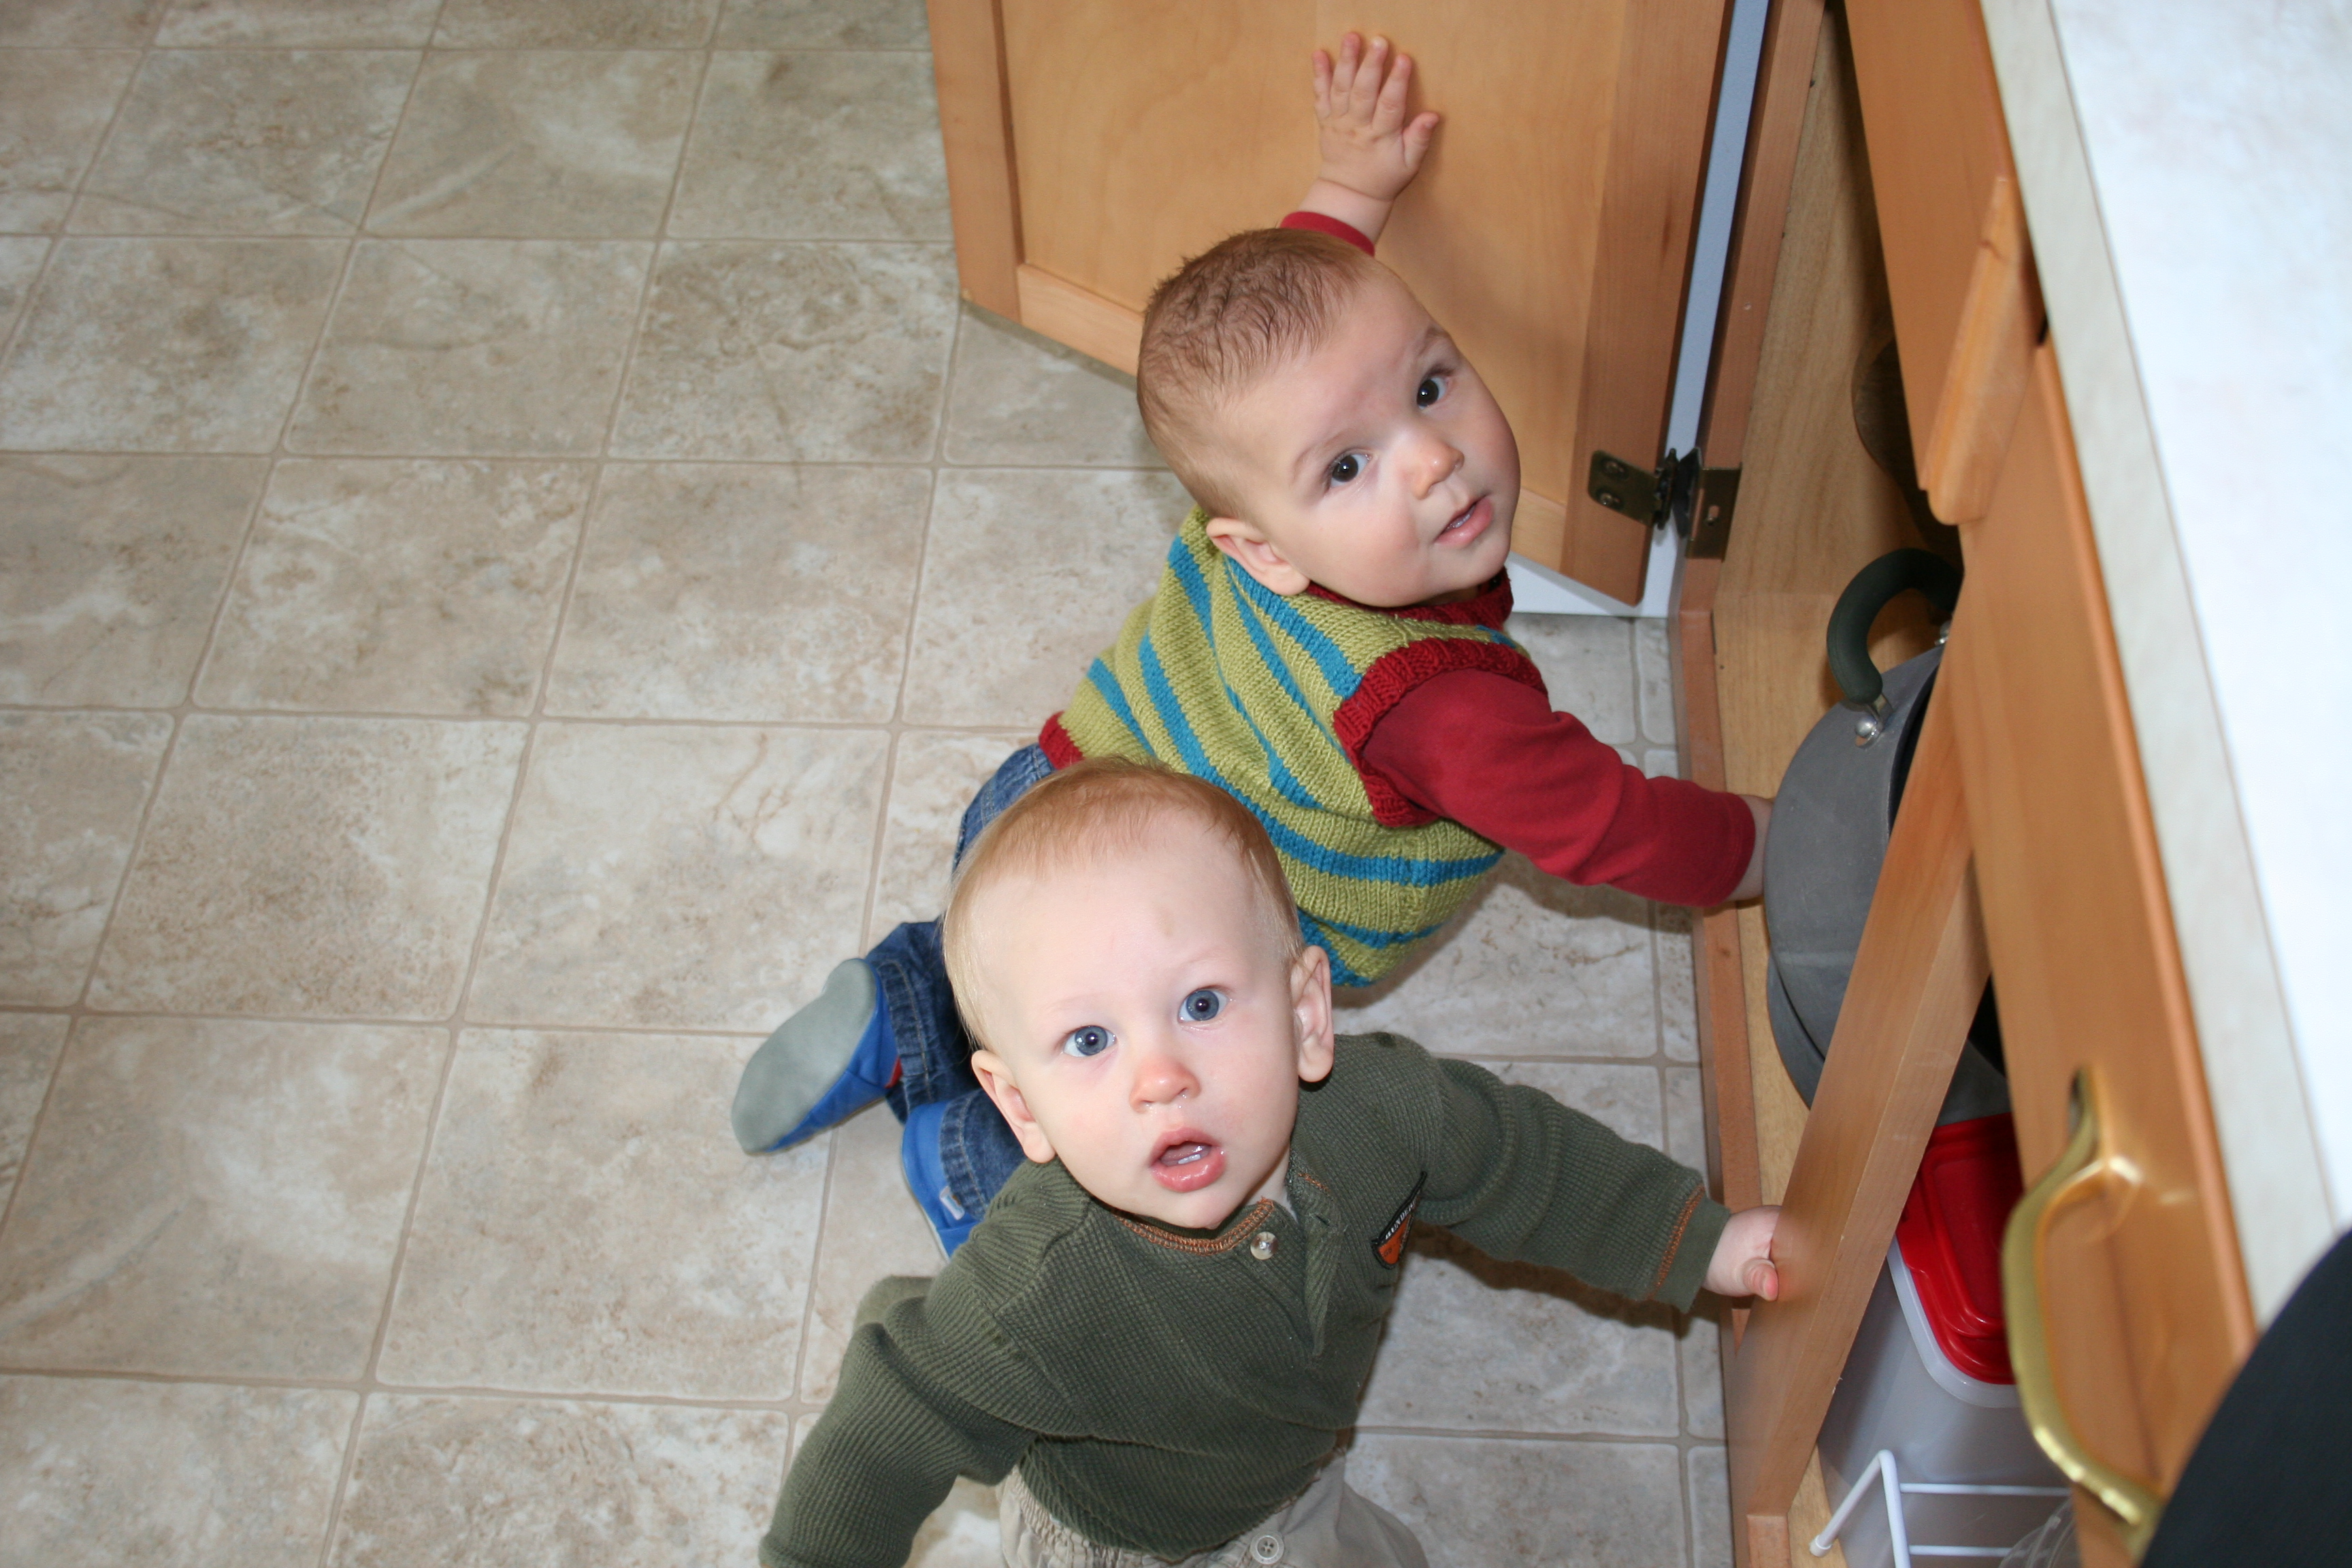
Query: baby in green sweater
point(1158, 1334)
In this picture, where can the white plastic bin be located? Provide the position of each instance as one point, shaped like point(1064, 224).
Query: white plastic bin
point(1902, 1393)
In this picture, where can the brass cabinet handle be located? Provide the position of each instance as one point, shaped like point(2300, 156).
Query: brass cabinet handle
point(2084, 1168)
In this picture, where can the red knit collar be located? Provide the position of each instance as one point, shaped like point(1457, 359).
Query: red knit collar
point(1490, 606)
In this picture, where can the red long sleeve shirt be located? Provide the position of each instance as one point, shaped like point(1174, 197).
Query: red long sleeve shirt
point(1489, 753)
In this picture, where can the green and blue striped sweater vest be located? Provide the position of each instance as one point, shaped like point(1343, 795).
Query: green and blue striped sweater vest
point(1272, 699)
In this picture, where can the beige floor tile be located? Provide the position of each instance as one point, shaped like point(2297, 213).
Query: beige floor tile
point(1020, 399)
point(474, 348)
point(311, 866)
point(1586, 1360)
point(73, 785)
point(111, 569)
point(1029, 576)
point(1485, 1503)
point(827, 146)
point(587, 1225)
point(226, 142)
point(738, 592)
point(823, 24)
point(576, 23)
point(556, 146)
point(220, 1198)
point(395, 586)
point(1534, 967)
point(680, 877)
point(1702, 1367)
point(933, 779)
point(165, 344)
point(873, 1229)
point(1588, 666)
point(29, 1043)
point(1710, 1507)
point(300, 24)
point(1654, 678)
point(813, 354)
point(1685, 1118)
point(1622, 1097)
point(48, 24)
point(962, 1532)
point(54, 107)
point(20, 262)
point(498, 1483)
point(1661, 763)
point(101, 1471)
point(1677, 973)
point(1580, 1360)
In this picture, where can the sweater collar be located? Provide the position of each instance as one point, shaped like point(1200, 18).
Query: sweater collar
point(1490, 606)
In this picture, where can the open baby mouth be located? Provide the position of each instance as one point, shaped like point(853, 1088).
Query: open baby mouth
point(1185, 1161)
point(1469, 522)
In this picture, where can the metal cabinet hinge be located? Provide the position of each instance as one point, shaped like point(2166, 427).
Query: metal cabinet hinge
point(1698, 501)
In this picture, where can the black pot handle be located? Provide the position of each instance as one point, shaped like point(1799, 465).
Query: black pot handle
point(1873, 589)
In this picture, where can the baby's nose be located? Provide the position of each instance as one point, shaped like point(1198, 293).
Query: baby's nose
point(1162, 1078)
point(1434, 463)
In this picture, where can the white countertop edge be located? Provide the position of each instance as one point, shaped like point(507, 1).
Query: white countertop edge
point(2269, 1150)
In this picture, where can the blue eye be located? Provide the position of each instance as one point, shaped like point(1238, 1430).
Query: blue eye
point(1349, 466)
point(1202, 1005)
point(1430, 389)
point(1091, 1041)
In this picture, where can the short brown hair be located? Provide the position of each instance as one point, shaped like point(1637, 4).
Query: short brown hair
point(1228, 316)
point(1104, 805)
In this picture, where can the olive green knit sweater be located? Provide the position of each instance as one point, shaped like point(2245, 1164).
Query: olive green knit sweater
point(1162, 1391)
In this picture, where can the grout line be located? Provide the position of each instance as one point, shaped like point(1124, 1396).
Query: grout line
point(354, 1020)
point(351, 265)
point(640, 317)
point(578, 721)
point(1482, 1434)
point(179, 712)
point(23, 322)
point(364, 232)
point(449, 1053)
point(575, 459)
point(33, 1130)
point(253, 47)
point(366, 1385)
point(816, 1265)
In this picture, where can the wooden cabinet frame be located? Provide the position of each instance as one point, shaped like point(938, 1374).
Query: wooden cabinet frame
point(2023, 847)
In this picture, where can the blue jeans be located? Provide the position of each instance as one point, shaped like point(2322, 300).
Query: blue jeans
point(977, 1148)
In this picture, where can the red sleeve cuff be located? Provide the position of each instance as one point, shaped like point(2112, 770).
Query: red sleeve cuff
point(1322, 223)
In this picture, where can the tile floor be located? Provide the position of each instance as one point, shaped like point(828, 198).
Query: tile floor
point(511, 558)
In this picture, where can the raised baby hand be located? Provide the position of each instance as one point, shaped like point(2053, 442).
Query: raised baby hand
point(1742, 1264)
point(1368, 146)
point(1370, 150)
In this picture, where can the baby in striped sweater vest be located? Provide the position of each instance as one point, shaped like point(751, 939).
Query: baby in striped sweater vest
point(1327, 644)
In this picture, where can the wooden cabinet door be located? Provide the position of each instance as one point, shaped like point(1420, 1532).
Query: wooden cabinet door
point(1094, 144)
point(2144, 1300)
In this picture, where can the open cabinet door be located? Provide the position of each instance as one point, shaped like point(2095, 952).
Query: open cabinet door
point(1094, 144)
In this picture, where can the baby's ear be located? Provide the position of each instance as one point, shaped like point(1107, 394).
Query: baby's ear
point(989, 1067)
point(1256, 555)
point(1310, 1011)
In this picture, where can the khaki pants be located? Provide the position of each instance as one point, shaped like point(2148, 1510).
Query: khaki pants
point(1328, 1526)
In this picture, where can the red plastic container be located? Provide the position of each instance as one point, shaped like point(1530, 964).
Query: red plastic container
point(1951, 1236)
